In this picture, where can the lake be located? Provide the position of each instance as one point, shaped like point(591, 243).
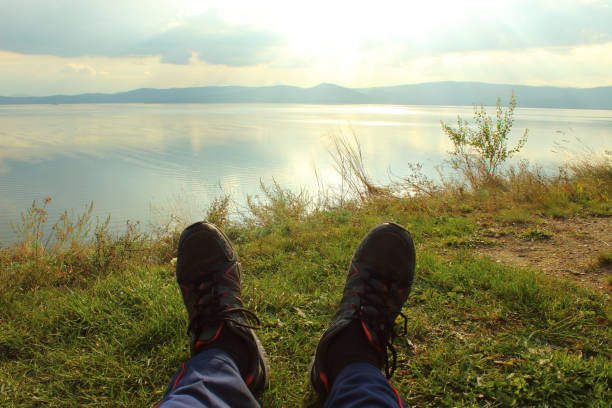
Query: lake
point(139, 162)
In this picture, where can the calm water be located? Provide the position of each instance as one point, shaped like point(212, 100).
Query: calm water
point(139, 161)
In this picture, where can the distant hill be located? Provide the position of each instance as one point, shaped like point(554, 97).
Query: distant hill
point(432, 93)
point(477, 93)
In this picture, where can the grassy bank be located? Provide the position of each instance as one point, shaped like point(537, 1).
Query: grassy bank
point(95, 319)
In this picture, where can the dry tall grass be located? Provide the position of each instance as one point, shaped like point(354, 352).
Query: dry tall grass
point(72, 251)
point(585, 182)
point(349, 163)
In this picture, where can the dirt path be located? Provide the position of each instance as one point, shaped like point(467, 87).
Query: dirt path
point(570, 249)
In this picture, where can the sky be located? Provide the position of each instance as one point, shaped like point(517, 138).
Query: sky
point(76, 46)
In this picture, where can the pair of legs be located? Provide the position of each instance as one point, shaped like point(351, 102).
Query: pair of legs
point(228, 367)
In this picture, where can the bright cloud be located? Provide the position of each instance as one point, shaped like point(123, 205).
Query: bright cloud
point(71, 46)
point(80, 69)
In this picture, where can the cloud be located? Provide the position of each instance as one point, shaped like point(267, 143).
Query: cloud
point(80, 69)
point(174, 43)
point(212, 41)
point(517, 25)
point(73, 28)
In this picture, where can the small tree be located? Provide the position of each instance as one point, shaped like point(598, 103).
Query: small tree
point(481, 149)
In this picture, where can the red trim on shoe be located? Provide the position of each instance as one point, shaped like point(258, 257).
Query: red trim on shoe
point(399, 400)
point(249, 379)
point(369, 336)
point(352, 275)
point(227, 273)
point(200, 343)
point(179, 377)
point(323, 378)
point(157, 405)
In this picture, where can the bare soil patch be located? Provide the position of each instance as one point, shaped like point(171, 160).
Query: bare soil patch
point(565, 248)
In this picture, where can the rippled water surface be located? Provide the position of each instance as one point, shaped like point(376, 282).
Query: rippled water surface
point(139, 162)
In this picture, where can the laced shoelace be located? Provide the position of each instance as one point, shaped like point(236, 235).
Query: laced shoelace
point(210, 311)
point(375, 311)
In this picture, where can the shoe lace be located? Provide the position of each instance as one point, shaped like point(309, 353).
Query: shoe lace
point(375, 310)
point(210, 311)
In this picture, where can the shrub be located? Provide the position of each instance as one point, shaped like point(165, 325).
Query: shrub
point(278, 205)
point(481, 149)
point(218, 211)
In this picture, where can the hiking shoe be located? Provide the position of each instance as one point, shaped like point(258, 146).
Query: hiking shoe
point(377, 285)
point(208, 274)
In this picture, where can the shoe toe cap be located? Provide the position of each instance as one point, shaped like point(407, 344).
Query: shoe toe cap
point(202, 244)
point(388, 249)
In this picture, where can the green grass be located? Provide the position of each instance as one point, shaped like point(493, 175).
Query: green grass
point(535, 234)
point(479, 334)
point(97, 319)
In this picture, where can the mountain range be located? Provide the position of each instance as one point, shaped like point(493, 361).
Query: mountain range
point(431, 93)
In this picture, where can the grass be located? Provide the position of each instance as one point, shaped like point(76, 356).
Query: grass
point(535, 234)
point(98, 321)
point(604, 259)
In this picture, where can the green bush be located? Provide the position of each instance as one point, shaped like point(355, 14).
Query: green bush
point(481, 149)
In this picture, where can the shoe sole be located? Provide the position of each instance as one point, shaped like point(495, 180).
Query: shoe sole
point(260, 388)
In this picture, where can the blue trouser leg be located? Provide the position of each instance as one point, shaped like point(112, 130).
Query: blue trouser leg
point(209, 379)
point(362, 385)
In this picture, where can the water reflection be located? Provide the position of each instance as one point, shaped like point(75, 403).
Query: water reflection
point(126, 157)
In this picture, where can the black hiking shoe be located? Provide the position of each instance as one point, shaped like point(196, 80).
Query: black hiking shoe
point(208, 273)
point(377, 285)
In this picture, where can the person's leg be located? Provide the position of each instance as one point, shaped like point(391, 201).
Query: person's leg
point(362, 385)
point(209, 379)
point(377, 285)
point(228, 365)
